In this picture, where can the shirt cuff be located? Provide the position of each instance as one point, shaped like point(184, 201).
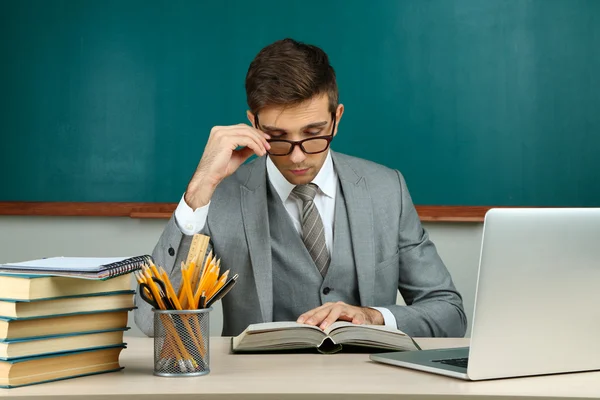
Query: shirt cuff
point(388, 317)
point(190, 221)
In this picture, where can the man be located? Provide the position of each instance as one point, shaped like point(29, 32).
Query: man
point(315, 236)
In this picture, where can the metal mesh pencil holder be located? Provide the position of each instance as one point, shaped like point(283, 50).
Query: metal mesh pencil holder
point(181, 342)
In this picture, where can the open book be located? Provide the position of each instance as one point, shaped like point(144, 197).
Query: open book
point(291, 335)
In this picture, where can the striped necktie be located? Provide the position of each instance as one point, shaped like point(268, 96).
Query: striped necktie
point(313, 232)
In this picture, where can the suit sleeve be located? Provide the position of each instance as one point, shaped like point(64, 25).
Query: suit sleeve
point(434, 306)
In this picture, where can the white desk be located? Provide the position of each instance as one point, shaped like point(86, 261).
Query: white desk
point(284, 376)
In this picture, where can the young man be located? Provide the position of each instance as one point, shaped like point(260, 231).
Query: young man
point(315, 236)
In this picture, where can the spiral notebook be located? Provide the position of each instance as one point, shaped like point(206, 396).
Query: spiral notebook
point(98, 268)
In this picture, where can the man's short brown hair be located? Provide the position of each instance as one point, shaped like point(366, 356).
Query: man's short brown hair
point(288, 72)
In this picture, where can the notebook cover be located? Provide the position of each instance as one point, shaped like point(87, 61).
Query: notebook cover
point(95, 268)
point(45, 274)
point(23, 276)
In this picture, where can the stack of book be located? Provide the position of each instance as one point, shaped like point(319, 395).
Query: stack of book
point(63, 318)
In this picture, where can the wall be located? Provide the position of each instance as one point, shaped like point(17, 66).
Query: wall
point(30, 237)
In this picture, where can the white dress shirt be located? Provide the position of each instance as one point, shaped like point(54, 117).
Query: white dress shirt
point(192, 221)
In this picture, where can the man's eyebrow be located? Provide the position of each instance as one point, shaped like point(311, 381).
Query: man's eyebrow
point(309, 126)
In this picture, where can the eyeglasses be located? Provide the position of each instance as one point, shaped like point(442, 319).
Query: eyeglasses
point(313, 145)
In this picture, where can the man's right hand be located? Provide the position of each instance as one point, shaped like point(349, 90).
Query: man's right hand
point(221, 158)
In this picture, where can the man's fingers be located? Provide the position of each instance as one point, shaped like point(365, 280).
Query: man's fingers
point(328, 313)
point(243, 129)
point(318, 316)
point(246, 141)
point(302, 318)
point(242, 139)
point(334, 315)
point(244, 154)
point(259, 135)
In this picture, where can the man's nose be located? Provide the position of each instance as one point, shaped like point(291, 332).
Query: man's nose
point(297, 155)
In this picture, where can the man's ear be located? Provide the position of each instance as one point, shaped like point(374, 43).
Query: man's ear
point(250, 116)
point(338, 117)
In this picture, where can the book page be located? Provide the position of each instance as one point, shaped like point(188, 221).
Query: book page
point(339, 324)
point(379, 336)
point(277, 335)
point(350, 325)
point(277, 326)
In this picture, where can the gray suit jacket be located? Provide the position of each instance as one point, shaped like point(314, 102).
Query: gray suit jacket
point(391, 250)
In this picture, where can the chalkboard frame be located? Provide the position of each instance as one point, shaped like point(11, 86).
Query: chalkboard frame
point(165, 210)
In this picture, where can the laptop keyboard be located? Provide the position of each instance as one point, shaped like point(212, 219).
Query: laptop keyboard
point(457, 362)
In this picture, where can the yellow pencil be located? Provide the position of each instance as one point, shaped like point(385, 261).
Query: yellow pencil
point(154, 270)
point(170, 292)
point(211, 279)
point(188, 290)
point(181, 292)
point(222, 280)
point(205, 266)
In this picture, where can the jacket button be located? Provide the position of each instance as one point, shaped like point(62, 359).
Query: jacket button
point(326, 290)
point(171, 251)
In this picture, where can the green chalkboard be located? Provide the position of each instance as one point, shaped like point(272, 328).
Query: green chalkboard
point(477, 102)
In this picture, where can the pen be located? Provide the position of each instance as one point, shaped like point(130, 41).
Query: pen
point(223, 291)
point(202, 303)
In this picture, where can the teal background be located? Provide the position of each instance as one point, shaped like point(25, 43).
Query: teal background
point(475, 102)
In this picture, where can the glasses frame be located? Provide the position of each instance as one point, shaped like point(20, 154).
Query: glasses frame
point(300, 143)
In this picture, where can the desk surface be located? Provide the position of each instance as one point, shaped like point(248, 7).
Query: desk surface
point(282, 376)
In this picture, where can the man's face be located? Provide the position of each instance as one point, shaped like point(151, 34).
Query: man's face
point(309, 119)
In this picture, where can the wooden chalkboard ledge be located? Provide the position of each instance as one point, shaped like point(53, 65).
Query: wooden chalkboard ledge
point(164, 210)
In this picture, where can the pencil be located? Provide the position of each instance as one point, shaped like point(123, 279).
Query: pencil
point(170, 292)
point(219, 284)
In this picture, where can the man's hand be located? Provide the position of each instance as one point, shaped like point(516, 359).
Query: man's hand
point(222, 158)
point(328, 313)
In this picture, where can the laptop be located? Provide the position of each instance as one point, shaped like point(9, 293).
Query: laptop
point(537, 301)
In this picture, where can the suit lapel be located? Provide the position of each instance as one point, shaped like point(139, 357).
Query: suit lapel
point(256, 226)
point(360, 215)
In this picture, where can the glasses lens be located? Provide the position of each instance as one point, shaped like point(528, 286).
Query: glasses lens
point(316, 145)
point(279, 148)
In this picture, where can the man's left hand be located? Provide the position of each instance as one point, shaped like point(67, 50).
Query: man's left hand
point(328, 313)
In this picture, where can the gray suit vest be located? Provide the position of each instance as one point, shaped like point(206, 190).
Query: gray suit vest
point(297, 284)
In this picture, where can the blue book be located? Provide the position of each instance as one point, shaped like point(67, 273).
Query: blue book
point(39, 327)
point(66, 314)
point(35, 287)
point(65, 305)
point(49, 368)
point(14, 349)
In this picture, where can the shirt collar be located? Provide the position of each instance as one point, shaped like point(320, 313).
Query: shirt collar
point(325, 179)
